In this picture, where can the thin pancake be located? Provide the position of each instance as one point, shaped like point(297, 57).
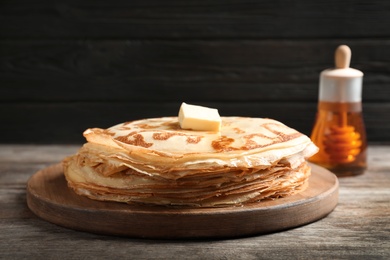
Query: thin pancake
point(153, 161)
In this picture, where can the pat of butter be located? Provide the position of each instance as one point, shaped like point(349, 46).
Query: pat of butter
point(199, 118)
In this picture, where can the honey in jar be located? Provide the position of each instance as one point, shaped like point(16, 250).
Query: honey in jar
point(339, 129)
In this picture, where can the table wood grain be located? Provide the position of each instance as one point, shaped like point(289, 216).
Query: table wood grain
point(358, 228)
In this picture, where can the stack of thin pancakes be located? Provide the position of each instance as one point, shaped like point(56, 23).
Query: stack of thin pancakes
point(154, 161)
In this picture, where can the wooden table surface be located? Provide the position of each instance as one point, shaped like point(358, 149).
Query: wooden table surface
point(358, 228)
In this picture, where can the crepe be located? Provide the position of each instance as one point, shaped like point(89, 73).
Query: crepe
point(155, 162)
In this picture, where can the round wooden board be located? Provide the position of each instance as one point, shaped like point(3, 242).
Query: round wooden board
point(49, 197)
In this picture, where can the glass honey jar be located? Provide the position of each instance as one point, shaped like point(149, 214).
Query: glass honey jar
point(339, 129)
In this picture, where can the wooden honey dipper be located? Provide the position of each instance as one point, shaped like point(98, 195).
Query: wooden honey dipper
point(342, 143)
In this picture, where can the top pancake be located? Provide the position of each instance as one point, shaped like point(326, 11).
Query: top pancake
point(242, 142)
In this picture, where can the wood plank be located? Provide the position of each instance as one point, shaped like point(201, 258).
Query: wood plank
point(244, 70)
point(65, 122)
point(211, 19)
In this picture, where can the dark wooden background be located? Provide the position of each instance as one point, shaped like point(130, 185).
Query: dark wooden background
point(69, 65)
